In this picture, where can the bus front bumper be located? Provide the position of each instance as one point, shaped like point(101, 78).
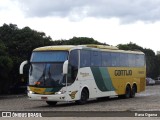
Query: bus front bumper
point(53, 97)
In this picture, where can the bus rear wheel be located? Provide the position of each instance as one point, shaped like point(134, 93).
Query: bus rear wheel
point(84, 97)
point(128, 92)
point(51, 103)
point(134, 90)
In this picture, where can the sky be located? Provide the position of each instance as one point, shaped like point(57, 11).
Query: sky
point(108, 21)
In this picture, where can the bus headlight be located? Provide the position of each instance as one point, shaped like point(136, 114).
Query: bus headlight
point(30, 92)
point(60, 92)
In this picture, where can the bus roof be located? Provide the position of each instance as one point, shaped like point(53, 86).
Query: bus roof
point(59, 47)
point(88, 46)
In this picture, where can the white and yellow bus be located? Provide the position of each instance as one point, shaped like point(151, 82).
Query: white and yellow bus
point(79, 73)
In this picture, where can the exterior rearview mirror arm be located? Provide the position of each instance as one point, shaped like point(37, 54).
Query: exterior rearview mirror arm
point(22, 66)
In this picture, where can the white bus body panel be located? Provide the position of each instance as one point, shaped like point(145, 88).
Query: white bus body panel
point(84, 78)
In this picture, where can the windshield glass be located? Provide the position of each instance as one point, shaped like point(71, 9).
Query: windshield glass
point(46, 74)
point(50, 56)
point(46, 69)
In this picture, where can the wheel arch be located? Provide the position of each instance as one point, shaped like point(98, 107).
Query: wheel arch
point(128, 84)
point(135, 84)
point(84, 96)
point(86, 87)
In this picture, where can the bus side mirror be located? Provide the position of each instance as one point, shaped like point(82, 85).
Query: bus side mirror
point(65, 67)
point(22, 66)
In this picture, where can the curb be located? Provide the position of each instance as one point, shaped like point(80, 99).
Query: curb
point(12, 96)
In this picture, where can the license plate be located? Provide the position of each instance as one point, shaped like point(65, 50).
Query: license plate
point(44, 98)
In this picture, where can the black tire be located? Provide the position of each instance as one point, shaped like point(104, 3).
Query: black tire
point(51, 103)
point(84, 97)
point(134, 90)
point(121, 96)
point(128, 92)
point(102, 98)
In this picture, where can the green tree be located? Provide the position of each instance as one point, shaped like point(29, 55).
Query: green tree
point(130, 46)
point(5, 68)
point(151, 63)
point(19, 44)
point(77, 41)
point(158, 64)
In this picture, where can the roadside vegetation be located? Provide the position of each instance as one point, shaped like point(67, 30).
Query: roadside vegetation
point(16, 45)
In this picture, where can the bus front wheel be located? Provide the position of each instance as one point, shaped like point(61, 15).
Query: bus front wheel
point(51, 103)
point(84, 97)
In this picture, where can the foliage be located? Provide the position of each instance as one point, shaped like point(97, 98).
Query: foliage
point(5, 68)
point(158, 64)
point(17, 44)
point(130, 46)
point(77, 41)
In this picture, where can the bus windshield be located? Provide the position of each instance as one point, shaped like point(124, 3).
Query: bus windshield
point(46, 69)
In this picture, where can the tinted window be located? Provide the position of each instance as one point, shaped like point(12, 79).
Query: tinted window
point(123, 59)
point(132, 60)
point(140, 60)
point(85, 58)
point(73, 59)
point(53, 56)
point(115, 59)
point(96, 58)
point(73, 66)
point(106, 59)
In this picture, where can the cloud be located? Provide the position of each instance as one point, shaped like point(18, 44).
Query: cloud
point(125, 10)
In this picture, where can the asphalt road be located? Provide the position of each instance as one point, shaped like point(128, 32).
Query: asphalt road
point(148, 100)
point(144, 101)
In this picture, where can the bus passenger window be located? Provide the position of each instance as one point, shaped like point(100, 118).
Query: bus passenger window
point(140, 60)
point(115, 59)
point(73, 66)
point(85, 58)
point(106, 59)
point(123, 60)
point(96, 58)
point(132, 60)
